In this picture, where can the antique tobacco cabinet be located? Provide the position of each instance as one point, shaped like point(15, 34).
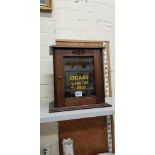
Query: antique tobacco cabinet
point(78, 77)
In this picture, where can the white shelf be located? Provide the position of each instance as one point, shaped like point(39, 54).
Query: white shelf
point(76, 114)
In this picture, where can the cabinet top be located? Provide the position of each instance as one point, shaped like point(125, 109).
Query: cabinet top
point(52, 48)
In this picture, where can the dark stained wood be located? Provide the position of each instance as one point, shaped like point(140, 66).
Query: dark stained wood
point(113, 134)
point(89, 44)
point(89, 135)
point(72, 47)
point(98, 78)
point(59, 78)
point(60, 109)
point(102, 73)
point(80, 101)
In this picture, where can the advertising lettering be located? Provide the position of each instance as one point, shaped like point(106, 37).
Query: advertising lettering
point(79, 82)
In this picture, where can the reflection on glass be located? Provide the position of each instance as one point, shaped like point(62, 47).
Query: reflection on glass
point(79, 76)
point(43, 2)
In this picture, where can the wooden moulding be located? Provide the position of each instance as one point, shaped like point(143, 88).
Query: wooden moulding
point(109, 68)
point(60, 109)
point(79, 43)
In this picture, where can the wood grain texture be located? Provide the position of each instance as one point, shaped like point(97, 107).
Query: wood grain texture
point(107, 46)
point(89, 135)
point(109, 70)
point(58, 83)
point(80, 101)
point(60, 100)
point(60, 109)
point(79, 43)
point(113, 133)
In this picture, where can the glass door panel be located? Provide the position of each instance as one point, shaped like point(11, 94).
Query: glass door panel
point(79, 75)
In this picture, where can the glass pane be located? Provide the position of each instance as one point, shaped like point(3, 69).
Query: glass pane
point(79, 76)
point(42, 2)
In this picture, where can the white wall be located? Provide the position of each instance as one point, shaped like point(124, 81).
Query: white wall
point(72, 19)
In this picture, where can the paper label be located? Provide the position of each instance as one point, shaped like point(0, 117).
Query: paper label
point(78, 93)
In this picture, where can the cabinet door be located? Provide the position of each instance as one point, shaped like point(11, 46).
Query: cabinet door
point(78, 77)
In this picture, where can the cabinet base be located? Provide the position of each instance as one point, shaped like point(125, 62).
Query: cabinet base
point(60, 109)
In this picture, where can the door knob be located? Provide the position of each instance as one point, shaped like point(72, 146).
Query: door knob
point(59, 77)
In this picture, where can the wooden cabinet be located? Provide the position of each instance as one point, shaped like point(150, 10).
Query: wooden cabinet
point(78, 77)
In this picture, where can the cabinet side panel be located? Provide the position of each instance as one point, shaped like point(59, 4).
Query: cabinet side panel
point(58, 79)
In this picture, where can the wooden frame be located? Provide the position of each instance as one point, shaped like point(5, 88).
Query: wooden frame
point(107, 50)
point(45, 5)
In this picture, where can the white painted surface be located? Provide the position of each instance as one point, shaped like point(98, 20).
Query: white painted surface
point(49, 135)
point(76, 114)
